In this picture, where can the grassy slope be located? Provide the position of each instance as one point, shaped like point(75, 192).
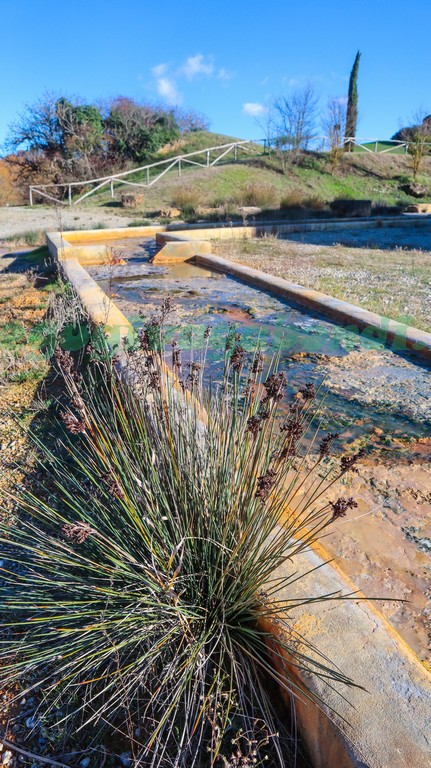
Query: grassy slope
point(360, 175)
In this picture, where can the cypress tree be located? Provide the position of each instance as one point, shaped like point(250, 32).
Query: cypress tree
point(352, 102)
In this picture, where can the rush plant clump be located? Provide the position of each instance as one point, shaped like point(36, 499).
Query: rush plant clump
point(137, 580)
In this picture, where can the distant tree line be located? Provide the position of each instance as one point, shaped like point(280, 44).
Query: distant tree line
point(292, 123)
point(59, 139)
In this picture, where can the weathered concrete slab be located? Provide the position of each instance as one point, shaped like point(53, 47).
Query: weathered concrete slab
point(177, 249)
point(389, 724)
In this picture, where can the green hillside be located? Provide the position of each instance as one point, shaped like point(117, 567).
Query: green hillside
point(257, 179)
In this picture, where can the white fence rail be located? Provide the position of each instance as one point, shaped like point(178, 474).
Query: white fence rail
point(210, 156)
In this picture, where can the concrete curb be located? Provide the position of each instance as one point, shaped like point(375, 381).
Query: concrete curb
point(404, 338)
point(389, 724)
point(301, 225)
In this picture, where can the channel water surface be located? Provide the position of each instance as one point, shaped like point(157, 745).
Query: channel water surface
point(369, 390)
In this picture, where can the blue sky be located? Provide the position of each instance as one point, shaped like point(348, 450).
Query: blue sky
point(217, 57)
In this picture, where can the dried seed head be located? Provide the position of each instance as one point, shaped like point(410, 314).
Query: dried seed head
point(73, 424)
point(113, 486)
point(154, 380)
point(254, 425)
point(349, 462)
point(77, 531)
point(176, 358)
point(144, 340)
point(265, 484)
point(257, 364)
point(237, 358)
point(340, 507)
point(325, 445)
point(308, 392)
point(64, 361)
point(274, 386)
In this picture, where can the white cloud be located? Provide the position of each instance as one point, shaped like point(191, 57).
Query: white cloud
point(196, 65)
point(167, 89)
point(224, 74)
point(254, 109)
point(159, 70)
point(166, 77)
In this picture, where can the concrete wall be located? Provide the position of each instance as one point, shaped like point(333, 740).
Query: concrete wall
point(383, 329)
point(304, 225)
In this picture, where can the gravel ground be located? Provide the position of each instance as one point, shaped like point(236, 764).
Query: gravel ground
point(15, 220)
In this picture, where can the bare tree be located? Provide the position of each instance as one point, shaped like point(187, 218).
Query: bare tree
point(296, 120)
point(418, 138)
point(135, 130)
point(55, 139)
point(267, 123)
point(334, 127)
point(189, 121)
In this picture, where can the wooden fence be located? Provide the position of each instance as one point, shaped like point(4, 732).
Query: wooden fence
point(203, 158)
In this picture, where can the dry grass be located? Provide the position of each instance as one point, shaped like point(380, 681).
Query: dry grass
point(262, 195)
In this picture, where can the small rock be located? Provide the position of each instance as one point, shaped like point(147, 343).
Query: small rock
point(85, 762)
point(126, 759)
point(7, 758)
point(31, 722)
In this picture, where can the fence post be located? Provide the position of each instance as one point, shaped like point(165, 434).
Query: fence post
point(208, 157)
point(148, 177)
point(112, 187)
point(377, 144)
point(179, 167)
point(31, 195)
point(70, 195)
point(235, 152)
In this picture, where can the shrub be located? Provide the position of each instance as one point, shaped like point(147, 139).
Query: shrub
point(293, 198)
point(139, 223)
point(147, 564)
point(187, 199)
point(32, 237)
point(261, 195)
point(314, 203)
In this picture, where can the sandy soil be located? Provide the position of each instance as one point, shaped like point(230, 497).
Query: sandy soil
point(17, 219)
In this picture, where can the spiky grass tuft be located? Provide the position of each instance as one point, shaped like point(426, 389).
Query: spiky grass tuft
point(136, 583)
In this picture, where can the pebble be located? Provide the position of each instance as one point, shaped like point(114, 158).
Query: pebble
point(31, 722)
point(126, 759)
point(7, 757)
point(85, 762)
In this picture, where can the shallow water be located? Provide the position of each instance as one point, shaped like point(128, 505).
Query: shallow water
point(367, 385)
